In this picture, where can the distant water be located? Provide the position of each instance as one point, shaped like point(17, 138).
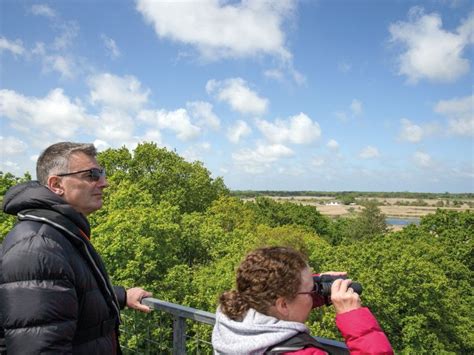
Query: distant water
point(401, 221)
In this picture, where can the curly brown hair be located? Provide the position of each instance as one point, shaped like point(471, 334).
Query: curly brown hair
point(264, 275)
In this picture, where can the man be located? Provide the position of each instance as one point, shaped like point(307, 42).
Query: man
point(55, 294)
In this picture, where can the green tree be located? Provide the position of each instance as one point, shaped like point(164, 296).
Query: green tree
point(347, 198)
point(165, 175)
point(370, 222)
point(8, 180)
point(275, 214)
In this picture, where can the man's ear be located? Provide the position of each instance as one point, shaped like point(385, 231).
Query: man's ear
point(281, 306)
point(55, 184)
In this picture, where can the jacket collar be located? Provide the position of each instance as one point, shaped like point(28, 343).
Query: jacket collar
point(32, 195)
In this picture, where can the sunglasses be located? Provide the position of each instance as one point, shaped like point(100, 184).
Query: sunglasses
point(94, 174)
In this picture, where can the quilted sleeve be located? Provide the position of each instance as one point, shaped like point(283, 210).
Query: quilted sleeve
point(362, 332)
point(38, 302)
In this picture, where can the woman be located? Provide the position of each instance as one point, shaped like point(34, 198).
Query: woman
point(273, 300)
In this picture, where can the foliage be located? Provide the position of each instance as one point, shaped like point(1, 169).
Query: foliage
point(369, 223)
point(8, 180)
point(169, 227)
point(164, 175)
point(347, 198)
point(275, 214)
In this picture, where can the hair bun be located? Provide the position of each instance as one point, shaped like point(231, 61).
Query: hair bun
point(233, 305)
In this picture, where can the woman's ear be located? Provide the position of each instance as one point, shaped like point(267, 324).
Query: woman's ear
point(55, 185)
point(281, 307)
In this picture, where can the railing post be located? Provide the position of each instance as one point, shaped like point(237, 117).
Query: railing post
point(179, 335)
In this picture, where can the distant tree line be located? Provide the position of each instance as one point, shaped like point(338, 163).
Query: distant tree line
point(353, 194)
point(170, 227)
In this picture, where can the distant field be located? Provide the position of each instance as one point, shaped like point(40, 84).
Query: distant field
point(389, 207)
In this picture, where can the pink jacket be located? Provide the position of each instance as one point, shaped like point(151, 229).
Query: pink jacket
point(361, 332)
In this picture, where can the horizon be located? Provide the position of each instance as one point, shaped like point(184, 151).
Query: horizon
point(329, 96)
point(354, 191)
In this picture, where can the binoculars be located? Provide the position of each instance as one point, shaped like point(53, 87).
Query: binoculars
point(323, 283)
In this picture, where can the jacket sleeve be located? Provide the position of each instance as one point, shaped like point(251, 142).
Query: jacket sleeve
point(38, 301)
point(121, 295)
point(362, 332)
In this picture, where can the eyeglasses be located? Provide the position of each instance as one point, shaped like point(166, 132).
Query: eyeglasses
point(312, 293)
point(94, 174)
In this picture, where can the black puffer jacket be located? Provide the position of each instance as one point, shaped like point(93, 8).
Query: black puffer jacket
point(55, 294)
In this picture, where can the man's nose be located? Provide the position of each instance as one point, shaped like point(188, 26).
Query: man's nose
point(102, 183)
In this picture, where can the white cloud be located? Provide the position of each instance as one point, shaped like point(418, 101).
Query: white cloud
point(124, 93)
point(14, 47)
point(293, 171)
point(112, 49)
point(11, 146)
point(275, 74)
point(431, 52)
point(9, 166)
point(369, 152)
point(410, 132)
point(283, 71)
point(460, 114)
point(43, 10)
point(299, 78)
point(423, 160)
point(39, 49)
point(68, 31)
point(204, 115)
point(317, 161)
point(466, 29)
point(238, 95)
point(220, 29)
point(101, 145)
point(356, 107)
point(62, 64)
point(115, 126)
point(256, 161)
point(56, 56)
point(341, 116)
point(299, 129)
point(177, 121)
point(152, 135)
point(196, 152)
point(55, 113)
point(333, 144)
point(238, 130)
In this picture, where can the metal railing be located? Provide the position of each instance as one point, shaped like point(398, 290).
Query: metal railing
point(180, 314)
point(177, 318)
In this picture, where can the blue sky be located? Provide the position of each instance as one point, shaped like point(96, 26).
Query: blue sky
point(270, 95)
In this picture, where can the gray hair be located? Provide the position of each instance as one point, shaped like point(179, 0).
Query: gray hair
point(55, 158)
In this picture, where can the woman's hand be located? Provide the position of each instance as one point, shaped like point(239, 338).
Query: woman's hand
point(343, 298)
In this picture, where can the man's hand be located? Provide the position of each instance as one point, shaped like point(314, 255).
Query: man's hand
point(134, 299)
